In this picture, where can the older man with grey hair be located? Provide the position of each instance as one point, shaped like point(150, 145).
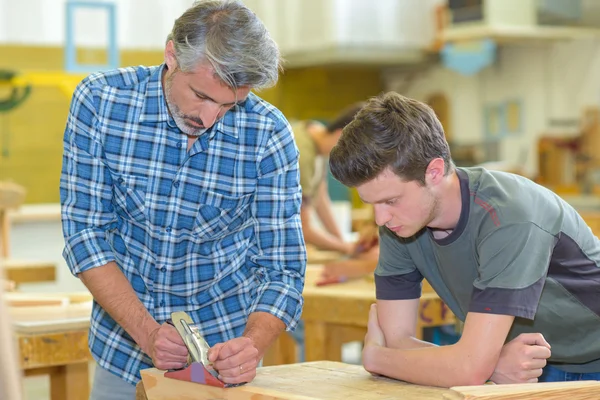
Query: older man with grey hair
point(180, 192)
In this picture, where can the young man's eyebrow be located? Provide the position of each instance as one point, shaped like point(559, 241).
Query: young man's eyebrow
point(209, 98)
point(379, 201)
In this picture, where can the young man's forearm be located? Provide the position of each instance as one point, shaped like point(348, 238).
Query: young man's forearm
point(114, 293)
point(324, 210)
point(324, 241)
point(263, 328)
point(444, 366)
point(407, 343)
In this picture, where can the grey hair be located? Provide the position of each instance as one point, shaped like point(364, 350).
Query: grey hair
point(231, 38)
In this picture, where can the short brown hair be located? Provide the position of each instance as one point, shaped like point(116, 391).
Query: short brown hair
point(389, 131)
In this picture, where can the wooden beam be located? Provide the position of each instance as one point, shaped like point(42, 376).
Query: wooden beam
point(577, 390)
point(29, 271)
point(9, 376)
point(53, 349)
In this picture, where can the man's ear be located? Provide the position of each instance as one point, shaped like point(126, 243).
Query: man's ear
point(170, 58)
point(435, 171)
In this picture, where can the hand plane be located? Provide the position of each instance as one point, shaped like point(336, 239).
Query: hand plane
point(199, 369)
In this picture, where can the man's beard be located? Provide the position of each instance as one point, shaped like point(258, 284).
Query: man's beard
point(181, 121)
point(180, 118)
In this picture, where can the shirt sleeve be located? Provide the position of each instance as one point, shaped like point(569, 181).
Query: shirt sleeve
point(396, 276)
point(85, 188)
point(513, 264)
point(278, 257)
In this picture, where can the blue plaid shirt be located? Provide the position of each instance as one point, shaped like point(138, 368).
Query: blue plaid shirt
point(214, 231)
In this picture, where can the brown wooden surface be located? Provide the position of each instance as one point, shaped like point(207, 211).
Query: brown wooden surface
point(318, 380)
point(9, 376)
point(63, 356)
point(52, 349)
point(324, 380)
point(578, 390)
point(315, 256)
point(338, 313)
point(53, 341)
point(28, 271)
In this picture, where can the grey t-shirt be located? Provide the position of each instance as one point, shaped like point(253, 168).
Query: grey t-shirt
point(518, 249)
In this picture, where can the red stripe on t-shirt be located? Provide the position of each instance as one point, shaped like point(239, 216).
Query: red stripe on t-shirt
point(487, 208)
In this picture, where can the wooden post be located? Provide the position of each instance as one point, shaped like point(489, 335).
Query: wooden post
point(10, 379)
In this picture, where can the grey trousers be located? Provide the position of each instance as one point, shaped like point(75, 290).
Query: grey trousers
point(107, 386)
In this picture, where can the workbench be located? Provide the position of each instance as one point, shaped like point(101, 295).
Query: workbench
point(338, 313)
point(326, 380)
point(53, 340)
point(316, 380)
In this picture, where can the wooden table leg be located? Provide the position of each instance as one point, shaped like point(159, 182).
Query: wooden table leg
point(322, 341)
point(67, 382)
point(283, 351)
point(70, 382)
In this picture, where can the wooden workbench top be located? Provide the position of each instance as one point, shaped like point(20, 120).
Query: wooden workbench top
point(327, 380)
point(316, 380)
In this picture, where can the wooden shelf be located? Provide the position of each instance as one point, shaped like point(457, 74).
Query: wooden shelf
point(512, 34)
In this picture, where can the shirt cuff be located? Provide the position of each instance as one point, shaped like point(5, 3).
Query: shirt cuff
point(280, 300)
point(87, 249)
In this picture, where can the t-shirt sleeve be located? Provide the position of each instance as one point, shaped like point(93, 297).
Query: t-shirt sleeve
point(513, 264)
point(396, 276)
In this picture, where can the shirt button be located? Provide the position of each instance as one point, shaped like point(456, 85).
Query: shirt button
point(162, 303)
point(121, 181)
point(163, 269)
point(176, 184)
point(179, 145)
point(168, 229)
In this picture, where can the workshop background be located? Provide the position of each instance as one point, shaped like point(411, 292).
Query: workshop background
point(515, 83)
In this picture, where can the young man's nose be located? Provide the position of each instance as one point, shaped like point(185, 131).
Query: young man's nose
point(381, 215)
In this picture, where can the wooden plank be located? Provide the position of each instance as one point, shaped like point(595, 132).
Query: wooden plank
point(27, 298)
point(48, 212)
point(9, 376)
point(318, 380)
point(51, 318)
point(578, 390)
point(53, 349)
point(315, 256)
point(29, 271)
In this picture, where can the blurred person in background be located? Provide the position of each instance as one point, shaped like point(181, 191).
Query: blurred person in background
point(510, 258)
point(180, 192)
point(315, 140)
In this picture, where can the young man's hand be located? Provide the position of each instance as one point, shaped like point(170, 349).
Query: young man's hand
point(522, 359)
point(368, 238)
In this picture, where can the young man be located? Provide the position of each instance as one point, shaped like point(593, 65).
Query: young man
point(507, 255)
point(315, 141)
point(180, 191)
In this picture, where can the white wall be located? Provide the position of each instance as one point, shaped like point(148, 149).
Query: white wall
point(142, 24)
point(553, 81)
